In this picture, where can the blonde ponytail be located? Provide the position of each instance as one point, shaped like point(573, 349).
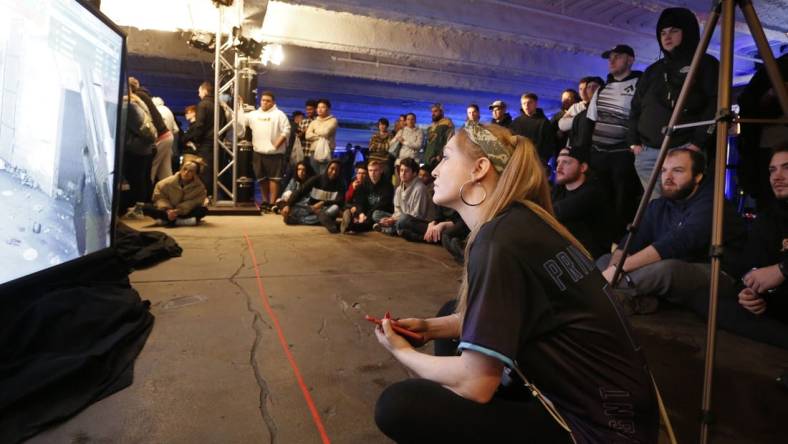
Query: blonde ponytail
point(523, 181)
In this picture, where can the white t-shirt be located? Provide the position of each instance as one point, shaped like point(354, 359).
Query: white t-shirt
point(169, 119)
point(267, 126)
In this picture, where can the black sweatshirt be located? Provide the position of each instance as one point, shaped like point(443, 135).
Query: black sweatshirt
point(370, 197)
point(659, 87)
point(201, 131)
point(506, 121)
point(767, 242)
point(586, 213)
point(539, 130)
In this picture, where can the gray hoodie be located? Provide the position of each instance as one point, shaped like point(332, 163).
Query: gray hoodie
point(415, 201)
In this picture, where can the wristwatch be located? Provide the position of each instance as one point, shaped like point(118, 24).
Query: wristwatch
point(782, 269)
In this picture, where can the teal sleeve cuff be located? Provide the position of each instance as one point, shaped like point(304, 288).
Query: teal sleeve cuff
point(486, 351)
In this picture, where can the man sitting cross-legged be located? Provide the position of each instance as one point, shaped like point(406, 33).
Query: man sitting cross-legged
point(413, 207)
point(318, 201)
point(178, 199)
point(372, 201)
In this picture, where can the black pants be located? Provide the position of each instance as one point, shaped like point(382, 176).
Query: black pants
point(454, 239)
point(206, 175)
point(411, 228)
point(687, 284)
point(769, 328)
point(423, 411)
point(136, 170)
point(616, 172)
point(362, 227)
point(152, 211)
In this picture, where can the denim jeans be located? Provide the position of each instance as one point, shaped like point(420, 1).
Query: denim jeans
point(409, 223)
point(644, 165)
point(302, 214)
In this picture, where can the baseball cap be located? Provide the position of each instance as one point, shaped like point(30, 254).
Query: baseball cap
point(578, 153)
point(621, 49)
point(497, 104)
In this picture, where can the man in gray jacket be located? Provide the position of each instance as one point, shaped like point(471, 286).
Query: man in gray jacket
point(412, 202)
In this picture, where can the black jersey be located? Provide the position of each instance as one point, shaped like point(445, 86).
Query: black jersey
point(536, 300)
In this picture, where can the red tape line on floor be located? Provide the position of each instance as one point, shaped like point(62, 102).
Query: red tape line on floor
point(283, 342)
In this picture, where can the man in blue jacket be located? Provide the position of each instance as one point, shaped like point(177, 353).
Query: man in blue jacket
point(671, 247)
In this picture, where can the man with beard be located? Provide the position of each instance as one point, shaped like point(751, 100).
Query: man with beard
point(766, 257)
point(671, 247)
point(438, 134)
point(534, 125)
point(580, 203)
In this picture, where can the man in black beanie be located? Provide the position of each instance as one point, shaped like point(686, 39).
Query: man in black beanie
point(580, 203)
point(678, 35)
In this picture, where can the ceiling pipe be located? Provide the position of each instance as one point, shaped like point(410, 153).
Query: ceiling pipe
point(321, 45)
point(740, 26)
point(378, 63)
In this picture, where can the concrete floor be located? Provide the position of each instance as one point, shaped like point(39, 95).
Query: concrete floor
point(213, 370)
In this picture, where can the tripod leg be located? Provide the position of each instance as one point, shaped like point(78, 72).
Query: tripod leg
point(723, 104)
point(703, 45)
point(766, 53)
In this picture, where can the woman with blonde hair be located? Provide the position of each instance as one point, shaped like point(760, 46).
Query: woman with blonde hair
point(543, 353)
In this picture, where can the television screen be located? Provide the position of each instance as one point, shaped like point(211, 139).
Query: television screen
point(61, 83)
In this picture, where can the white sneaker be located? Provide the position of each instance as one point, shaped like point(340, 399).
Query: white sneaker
point(134, 213)
point(188, 221)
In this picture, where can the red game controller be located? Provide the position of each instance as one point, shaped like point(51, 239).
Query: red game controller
point(402, 331)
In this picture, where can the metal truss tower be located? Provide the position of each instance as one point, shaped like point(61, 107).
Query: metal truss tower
point(225, 138)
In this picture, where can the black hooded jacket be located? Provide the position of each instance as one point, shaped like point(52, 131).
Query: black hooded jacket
point(201, 131)
point(659, 87)
point(505, 121)
point(539, 130)
point(371, 197)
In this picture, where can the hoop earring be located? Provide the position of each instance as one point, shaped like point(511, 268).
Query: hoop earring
point(462, 198)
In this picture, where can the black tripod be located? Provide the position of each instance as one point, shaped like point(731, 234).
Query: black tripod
point(724, 118)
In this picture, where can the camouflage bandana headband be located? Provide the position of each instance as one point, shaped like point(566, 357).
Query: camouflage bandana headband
point(490, 144)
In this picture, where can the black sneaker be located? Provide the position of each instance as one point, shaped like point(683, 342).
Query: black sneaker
point(328, 222)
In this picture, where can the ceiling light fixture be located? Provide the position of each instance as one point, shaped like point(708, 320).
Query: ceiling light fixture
point(273, 53)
